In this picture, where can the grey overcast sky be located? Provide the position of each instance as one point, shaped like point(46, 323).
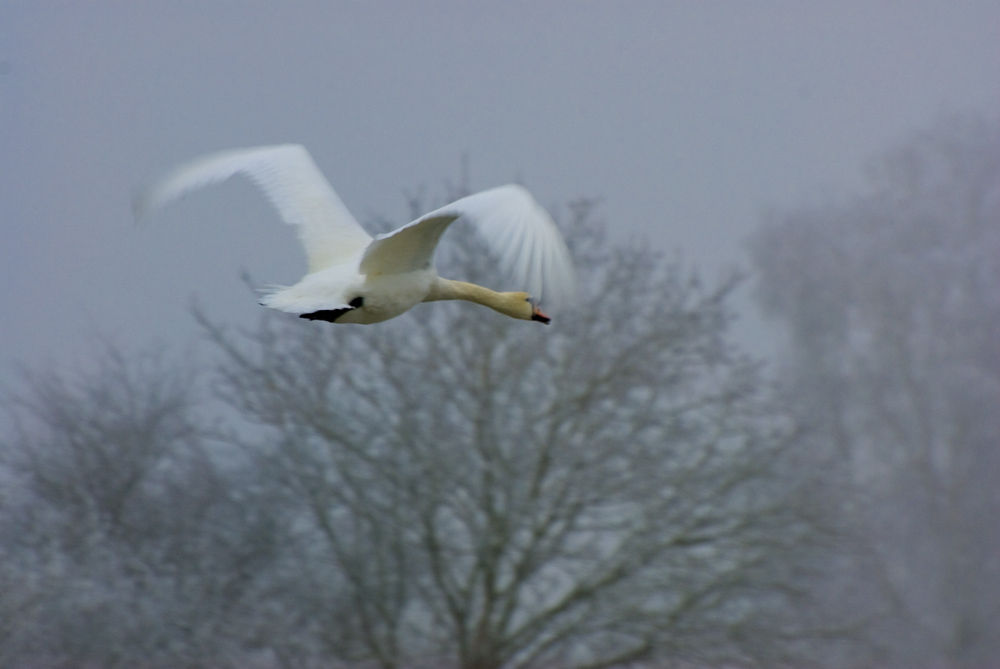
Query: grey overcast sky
point(687, 118)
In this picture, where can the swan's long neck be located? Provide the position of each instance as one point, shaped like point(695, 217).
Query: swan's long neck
point(514, 305)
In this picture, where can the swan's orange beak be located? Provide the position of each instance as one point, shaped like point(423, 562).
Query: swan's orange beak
point(539, 315)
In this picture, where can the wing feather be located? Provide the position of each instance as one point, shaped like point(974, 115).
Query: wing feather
point(408, 249)
point(523, 235)
point(293, 184)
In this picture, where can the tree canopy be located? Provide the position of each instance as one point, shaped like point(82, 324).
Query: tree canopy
point(625, 487)
point(450, 487)
point(891, 302)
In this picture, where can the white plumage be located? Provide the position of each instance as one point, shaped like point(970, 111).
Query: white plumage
point(354, 278)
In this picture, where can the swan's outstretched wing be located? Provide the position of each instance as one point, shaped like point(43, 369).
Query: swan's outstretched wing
point(409, 248)
point(290, 180)
point(516, 227)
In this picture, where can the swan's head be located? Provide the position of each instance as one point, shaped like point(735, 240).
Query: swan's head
point(525, 307)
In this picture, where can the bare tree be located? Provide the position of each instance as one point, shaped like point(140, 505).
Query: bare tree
point(121, 533)
point(487, 495)
point(892, 305)
point(450, 489)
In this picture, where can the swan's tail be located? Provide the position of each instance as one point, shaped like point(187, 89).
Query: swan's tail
point(291, 300)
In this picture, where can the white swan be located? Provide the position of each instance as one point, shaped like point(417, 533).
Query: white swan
point(354, 278)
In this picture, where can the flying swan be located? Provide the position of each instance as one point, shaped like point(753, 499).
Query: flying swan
point(354, 278)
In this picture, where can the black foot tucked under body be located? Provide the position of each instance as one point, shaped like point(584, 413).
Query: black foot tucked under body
point(331, 315)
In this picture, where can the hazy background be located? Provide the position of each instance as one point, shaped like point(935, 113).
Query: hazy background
point(687, 119)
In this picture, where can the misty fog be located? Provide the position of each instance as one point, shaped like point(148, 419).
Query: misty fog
point(766, 435)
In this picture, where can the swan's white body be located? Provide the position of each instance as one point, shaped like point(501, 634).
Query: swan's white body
point(354, 278)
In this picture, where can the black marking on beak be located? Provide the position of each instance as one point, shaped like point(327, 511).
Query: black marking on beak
point(357, 302)
point(536, 313)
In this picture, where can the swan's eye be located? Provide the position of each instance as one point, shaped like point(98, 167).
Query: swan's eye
point(357, 302)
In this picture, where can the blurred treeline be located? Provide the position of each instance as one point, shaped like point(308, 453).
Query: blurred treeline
point(624, 488)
